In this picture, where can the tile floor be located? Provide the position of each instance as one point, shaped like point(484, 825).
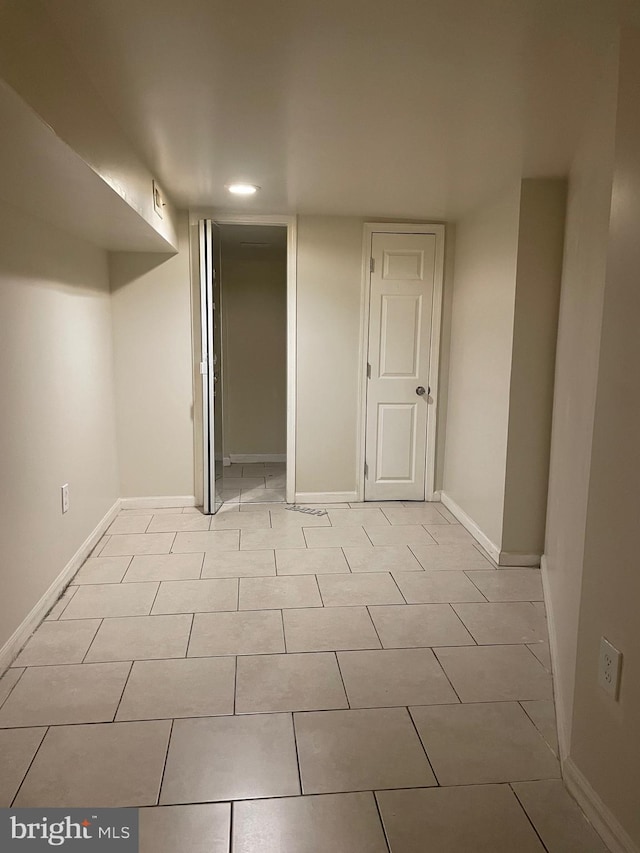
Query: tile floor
point(268, 681)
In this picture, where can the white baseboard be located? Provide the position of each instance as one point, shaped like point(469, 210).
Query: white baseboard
point(325, 497)
point(177, 501)
point(469, 524)
point(526, 561)
point(247, 458)
point(562, 712)
point(604, 821)
point(17, 640)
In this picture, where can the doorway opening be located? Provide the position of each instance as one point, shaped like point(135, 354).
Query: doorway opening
point(253, 284)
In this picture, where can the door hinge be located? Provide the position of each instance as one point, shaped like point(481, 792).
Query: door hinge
point(368, 371)
point(204, 368)
point(372, 265)
point(366, 471)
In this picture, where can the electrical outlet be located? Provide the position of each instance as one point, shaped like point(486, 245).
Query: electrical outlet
point(65, 498)
point(609, 668)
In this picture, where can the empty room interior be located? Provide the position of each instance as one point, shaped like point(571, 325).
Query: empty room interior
point(319, 440)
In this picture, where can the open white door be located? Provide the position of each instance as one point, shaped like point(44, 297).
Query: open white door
point(210, 364)
point(402, 279)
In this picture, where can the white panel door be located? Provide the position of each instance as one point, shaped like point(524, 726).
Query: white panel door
point(400, 312)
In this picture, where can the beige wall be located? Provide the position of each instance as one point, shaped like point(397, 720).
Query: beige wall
point(254, 336)
point(480, 361)
point(56, 386)
point(329, 285)
point(580, 317)
point(151, 297)
point(535, 329)
point(605, 742)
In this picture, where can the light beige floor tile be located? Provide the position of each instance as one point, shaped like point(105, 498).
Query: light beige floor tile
point(246, 633)
point(202, 828)
point(400, 534)
point(276, 481)
point(495, 673)
point(102, 570)
point(503, 622)
point(179, 522)
point(509, 584)
point(164, 567)
point(543, 715)
point(131, 524)
point(17, 748)
point(193, 687)
point(419, 626)
point(436, 587)
point(100, 600)
point(392, 677)
point(353, 589)
point(424, 513)
point(99, 546)
point(58, 695)
point(59, 607)
point(259, 540)
point(199, 596)
point(238, 564)
point(450, 558)
point(215, 540)
point(473, 819)
point(542, 652)
point(108, 765)
point(444, 512)
point(329, 629)
point(259, 495)
point(292, 682)
point(359, 751)
point(231, 758)
point(241, 521)
point(9, 680)
point(131, 544)
point(382, 559)
point(474, 744)
point(58, 643)
point(232, 471)
point(248, 467)
point(338, 822)
point(357, 518)
point(316, 561)
point(248, 483)
point(261, 506)
point(335, 537)
point(450, 534)
point(287, 519)
point(141, 638)
point(279, 592)
point(557, 817)
point(188, 510)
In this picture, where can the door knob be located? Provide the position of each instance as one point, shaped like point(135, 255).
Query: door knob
point(421, 391)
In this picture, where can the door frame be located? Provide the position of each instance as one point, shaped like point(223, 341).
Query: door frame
point(291, 223)
point(371, 228)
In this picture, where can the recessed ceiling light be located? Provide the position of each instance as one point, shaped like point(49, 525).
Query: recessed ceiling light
point(242, 189)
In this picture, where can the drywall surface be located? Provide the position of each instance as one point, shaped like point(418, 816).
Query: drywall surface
point(328, 332)
point(606, 734)
point(56, 384)
point(153, 360)
point(578, 345)
point(35, 62)
point(538, 277)
point(484, 292)
point(254, 335)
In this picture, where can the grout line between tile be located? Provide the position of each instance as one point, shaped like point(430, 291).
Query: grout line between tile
point(521, 804)
point(124, 687)
point(384, 830)
point(35, 754)
point(164, 766)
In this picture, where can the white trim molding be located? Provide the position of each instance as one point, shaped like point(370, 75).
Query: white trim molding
point(369, 229)
point(17, 640)
point(562, 711)
point(525, 561)
point(469, 524)
point(247, 458)
point(177, 501)
point(604, 821)
point(326, 497)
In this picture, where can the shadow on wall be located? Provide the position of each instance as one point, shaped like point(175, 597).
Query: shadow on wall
point(138, 264)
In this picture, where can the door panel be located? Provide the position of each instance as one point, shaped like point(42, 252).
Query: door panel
point(400, 313)
point(210, 348)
